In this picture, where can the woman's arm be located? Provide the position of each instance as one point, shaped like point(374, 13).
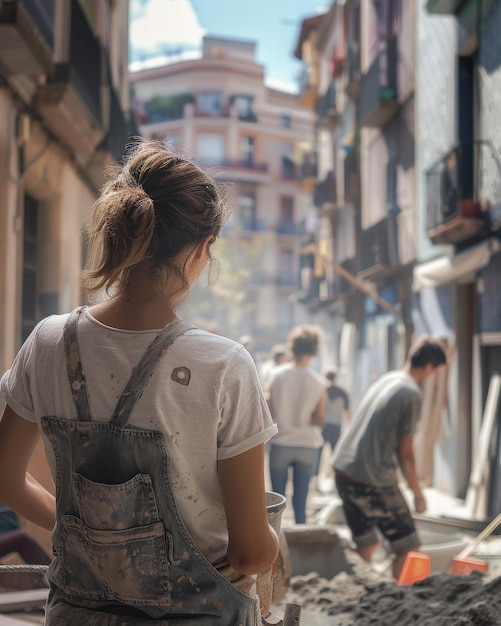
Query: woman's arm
point(18, 489)
point(253, 544)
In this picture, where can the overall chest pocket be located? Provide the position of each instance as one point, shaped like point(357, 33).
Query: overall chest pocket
point(117, 548)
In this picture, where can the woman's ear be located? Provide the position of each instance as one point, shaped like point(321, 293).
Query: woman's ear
point(202, 249)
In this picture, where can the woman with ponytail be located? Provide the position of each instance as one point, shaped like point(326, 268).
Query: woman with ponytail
point(154, 430)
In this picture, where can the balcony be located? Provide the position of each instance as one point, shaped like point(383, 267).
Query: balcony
point(252, 224)
point(379, 255)
point(308, 172)
point(444, 7)
point(327, 112)
point(453, 212)
point(236, 170)
point(26, 36)
point(378, 89)
point(288, 228)
point(70, 102)
point(353, 78)
point(325, 195)
point(308, 88)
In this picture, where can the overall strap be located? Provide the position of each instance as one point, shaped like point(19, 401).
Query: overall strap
point(76, 376)
point(142, 373)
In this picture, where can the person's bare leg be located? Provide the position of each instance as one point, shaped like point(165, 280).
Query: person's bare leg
point(366, 552)
point(399, 561)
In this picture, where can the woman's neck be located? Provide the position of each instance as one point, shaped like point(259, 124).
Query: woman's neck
point(145, 304)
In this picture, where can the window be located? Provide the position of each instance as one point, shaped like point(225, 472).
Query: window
point(247, 211)
point(286, 120)
point(210, 147)
point(243, 105)
point(288, 166)
point(210, 103)
point(30, 256)
point(286, 216)
point(247, 149)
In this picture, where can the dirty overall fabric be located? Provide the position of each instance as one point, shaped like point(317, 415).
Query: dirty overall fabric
point(122, 553)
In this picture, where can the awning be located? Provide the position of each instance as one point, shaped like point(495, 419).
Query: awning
point(457, 269)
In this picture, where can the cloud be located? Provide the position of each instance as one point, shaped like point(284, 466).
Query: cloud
point(160, 27)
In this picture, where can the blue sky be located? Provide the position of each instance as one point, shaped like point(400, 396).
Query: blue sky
point(273, 24)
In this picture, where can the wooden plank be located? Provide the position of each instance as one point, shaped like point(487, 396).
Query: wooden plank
point(478, 479)
point(21, 600)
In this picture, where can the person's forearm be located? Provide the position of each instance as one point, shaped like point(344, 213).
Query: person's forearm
point(408, 467)
point(32, 502)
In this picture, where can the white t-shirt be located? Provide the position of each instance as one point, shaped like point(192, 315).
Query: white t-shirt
point(221, 413)
point(295, 393)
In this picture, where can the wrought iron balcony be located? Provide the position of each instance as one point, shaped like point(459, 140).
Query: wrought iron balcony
point(70, 102)
point(379, 253)
point(325, 192)
point(327, 111)
point(453, 210)
point(26, 36)
point(378, 89)
point(308, 172)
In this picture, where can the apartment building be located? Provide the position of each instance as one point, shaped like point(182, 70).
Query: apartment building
point(406, 97)
point(361, 87)
point(456, 281)
point(64, 115)
point(217, 110)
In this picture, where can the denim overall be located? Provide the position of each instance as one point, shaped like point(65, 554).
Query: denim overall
point(122, 554)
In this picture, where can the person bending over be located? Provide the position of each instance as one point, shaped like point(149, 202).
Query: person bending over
point(378, 441)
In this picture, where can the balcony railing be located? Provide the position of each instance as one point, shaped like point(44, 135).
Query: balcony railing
point(255, 225)
point(288, 228)
point(379, 251)
point(245, 164)
point(378, 90)
point(325, 191)
point(326, 108)
point(453, 209)
point(444, 7)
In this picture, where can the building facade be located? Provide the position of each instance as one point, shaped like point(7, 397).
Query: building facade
point(406, 97)
point(217, 110)
point(362, 91)
point(64, 115)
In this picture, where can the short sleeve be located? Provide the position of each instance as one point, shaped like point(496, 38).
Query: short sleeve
point(410, 415)
point(15, 384)
point(245, 418)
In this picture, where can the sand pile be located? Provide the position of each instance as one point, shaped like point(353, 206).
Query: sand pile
point(365, 598)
